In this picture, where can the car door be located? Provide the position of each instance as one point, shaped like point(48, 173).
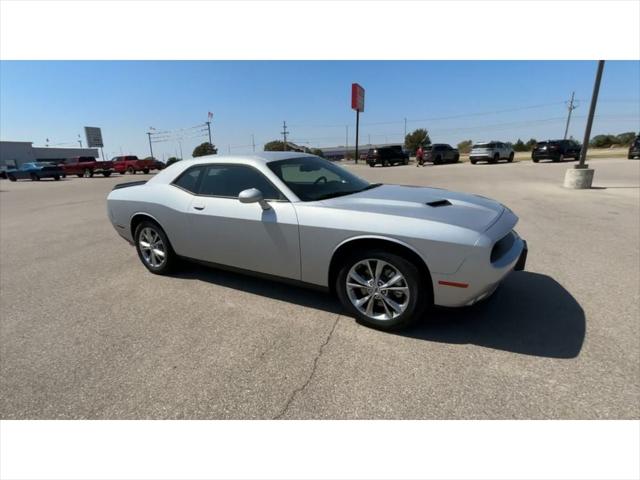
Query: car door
point(243, 235)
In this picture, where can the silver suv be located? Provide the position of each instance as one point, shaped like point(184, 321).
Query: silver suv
point(491, 152)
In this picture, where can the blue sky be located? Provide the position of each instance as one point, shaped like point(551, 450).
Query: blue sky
point(502, 100)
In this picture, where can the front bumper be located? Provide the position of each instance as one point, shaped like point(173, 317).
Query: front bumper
point(478, 276)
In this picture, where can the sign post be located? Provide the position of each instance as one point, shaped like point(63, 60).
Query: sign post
point(357, 104)
point(94, 138)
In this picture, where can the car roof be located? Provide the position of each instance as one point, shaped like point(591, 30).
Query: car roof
point(262, 157)
point(256, 159)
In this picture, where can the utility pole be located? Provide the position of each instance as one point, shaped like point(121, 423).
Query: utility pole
point(209, 130)
point(253, 143)
point(405, 127)
point(284, 133)
point(346, 143)
point(150, 147)
point(571, 108)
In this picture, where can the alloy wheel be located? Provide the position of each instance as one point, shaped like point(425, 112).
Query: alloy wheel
point(152, 247)
point(377, 289)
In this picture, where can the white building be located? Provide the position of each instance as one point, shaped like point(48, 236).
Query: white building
point(17, 153)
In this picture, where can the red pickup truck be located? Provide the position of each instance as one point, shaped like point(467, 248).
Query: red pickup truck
point(132, 164)
point(86, 167)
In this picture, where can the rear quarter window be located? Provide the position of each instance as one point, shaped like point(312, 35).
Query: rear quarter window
point(188, 180)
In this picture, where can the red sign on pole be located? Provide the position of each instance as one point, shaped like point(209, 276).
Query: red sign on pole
point(357, 97)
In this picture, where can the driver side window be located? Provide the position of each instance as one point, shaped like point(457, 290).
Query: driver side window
point(229, 180)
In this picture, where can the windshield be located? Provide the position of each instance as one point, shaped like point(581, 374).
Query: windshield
point(313, 178)
point(483, 145)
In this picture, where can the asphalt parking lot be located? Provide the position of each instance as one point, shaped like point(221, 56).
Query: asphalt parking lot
point(87, 332)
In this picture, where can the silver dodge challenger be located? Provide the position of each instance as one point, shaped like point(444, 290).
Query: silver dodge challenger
point(389, 252)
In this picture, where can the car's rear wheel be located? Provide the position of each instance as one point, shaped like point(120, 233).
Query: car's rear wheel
point(12, 178)
point(79, 175)
point(131, 170)
point(106, 174)
point(437, 161)
point(535, 160)
point(145, 170)
point(495, 159)
point(56, 177)
point(510, 159)
point(153, 248)
point(382, 290)
point(473, 162)
point(456, 159)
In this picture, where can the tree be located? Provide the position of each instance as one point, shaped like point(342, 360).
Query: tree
point(626, 138)
point(465, 146)
point(520, 146)
point(318, 152)
point(173, 160)
point(204, 149)
point(531, 143)
point(416, 138)
point(603, 141)
point(274, 146)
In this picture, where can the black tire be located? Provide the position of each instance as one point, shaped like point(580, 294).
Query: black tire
point(106, 174)
point(3, 175)
point(79, 175)
point(535, 160)
point(12, 178)
point(456, 159)
point(437, 161)
point(171, 259)
point(385, 163)
point(56, 177)
point(473, 162)
point(145, 170)
point(131, 170)
point(419, 292)
point(495, 159)
point(510, 159)
point(371, 164)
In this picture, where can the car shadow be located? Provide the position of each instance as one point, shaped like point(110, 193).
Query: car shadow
point(530, 313)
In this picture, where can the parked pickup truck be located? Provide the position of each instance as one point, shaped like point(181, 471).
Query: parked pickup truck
point(86, 167)
point(132, 164)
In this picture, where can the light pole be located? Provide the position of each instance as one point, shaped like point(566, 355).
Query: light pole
point(581, 176)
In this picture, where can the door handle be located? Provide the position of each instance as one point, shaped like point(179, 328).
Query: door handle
point(199, 206)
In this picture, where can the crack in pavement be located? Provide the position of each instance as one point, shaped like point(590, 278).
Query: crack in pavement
point(313, 371)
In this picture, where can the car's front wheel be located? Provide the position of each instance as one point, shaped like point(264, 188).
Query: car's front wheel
point(154, 248)
point(510, 159)
point(382, 290)
point(12, 178)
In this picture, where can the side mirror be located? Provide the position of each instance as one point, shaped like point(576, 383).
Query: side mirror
point(253, 195)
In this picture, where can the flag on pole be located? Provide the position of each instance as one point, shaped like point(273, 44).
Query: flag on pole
point(210, 116)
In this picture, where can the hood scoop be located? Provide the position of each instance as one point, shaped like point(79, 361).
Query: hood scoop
point(439, 203)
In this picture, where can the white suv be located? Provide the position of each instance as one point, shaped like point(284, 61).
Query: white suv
point(491, 152)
